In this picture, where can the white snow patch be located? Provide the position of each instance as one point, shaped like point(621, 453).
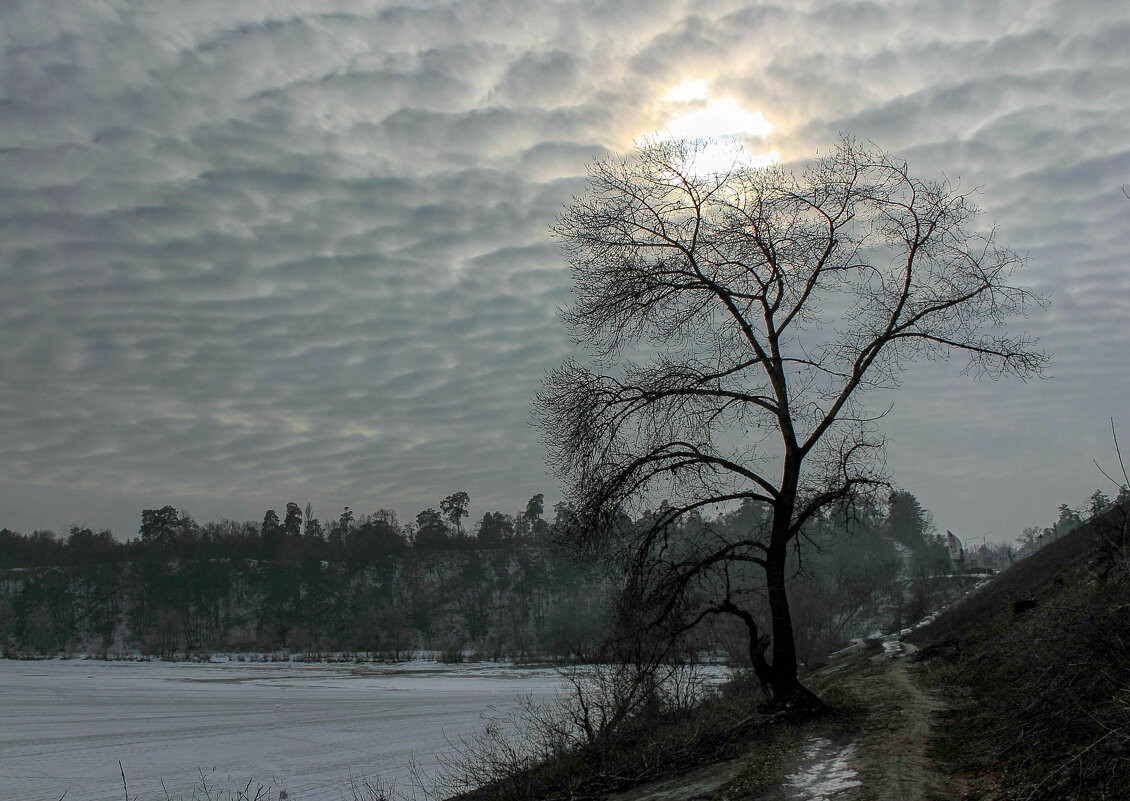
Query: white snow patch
point(891, 648)
point(302, 728)
point(825, 772)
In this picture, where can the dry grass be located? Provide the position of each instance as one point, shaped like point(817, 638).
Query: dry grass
point(583, 746)
point(1041, 689)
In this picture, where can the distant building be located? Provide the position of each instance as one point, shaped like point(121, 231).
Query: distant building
point(957, 553)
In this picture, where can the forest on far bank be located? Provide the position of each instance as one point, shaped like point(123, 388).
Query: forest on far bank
point(502, 588)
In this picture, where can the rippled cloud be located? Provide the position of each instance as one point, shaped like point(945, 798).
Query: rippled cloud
point(255, 252)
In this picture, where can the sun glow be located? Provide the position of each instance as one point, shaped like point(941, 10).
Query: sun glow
point(686, 92)
point(718, 118)
point(721, 126)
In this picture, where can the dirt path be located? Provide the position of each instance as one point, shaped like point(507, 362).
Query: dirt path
point(891, 759)
point(876, 752)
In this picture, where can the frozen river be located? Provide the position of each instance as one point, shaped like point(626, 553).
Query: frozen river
point(302, 728)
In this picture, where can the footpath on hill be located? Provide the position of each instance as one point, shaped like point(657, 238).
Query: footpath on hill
point(874, 748)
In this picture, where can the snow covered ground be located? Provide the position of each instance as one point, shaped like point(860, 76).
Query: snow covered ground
point(825, 772)
point(302, 728)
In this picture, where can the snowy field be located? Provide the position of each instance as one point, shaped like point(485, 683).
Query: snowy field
point(302, 728)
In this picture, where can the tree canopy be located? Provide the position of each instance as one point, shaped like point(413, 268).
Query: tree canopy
point(735, 320)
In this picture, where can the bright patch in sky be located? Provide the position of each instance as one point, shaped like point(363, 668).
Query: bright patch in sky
point(719, 118)
point(719, 124)
point(719, 155)
point(687, 92)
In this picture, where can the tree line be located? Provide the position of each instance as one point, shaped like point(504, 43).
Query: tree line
point(297, 535)
point(362, 583)
point(1069, 518)
point(508, 586)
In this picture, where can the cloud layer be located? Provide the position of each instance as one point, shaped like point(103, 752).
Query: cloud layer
point(255, 251)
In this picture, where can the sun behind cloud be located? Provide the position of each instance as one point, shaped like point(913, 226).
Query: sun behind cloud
point(687, 92)
point(718, 118)
point(725, 129)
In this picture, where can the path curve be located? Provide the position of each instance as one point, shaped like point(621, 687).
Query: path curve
point(892, 749)
point(882, 756)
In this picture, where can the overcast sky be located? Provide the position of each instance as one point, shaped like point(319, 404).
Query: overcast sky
point(254, 251)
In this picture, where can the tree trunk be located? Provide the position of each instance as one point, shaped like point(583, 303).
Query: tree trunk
point(758, 643)
point(784, 668)
point(757, 646)
point(789, 696)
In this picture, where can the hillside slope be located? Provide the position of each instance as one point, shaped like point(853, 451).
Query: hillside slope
point(1032, 581)
point(1019, 691)
point(1036, 670)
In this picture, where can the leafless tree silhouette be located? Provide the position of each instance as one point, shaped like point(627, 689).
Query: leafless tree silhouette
point(734, 321)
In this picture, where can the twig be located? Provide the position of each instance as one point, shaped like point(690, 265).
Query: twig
point(1071, 761)
point(1121, 464)
point(125, 788)
point(204, 783)
point(1118, 450)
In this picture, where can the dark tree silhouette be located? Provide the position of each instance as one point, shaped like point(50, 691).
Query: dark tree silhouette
point(272, 533)
point(430, 529)
point(735, 319)
point(165, 527)
point(454, 508)
point(292, 523)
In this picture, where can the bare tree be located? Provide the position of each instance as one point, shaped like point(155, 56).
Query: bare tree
point(734, 321)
